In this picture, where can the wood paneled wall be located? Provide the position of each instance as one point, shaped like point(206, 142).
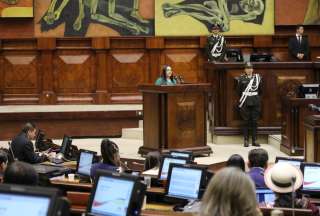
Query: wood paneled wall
point(108, 70)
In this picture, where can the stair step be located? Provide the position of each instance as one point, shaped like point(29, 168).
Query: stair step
point(275, 140)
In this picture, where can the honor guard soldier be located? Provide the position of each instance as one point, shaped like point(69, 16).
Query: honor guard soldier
point(249, 89)
point(216, 45)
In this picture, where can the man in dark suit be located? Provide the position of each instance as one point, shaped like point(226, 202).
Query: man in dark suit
point(22, 146)
point(298, 45)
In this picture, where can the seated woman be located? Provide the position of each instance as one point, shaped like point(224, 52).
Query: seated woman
point(229, 193)
point(281, 178)
point(110, 157)
point(166, 77)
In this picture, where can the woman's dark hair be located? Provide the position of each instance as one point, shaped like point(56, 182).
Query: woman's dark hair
point(236, 161)
point(108, 151)
point(258, 158)
point(152, 160)
point(164, 72)
point(20, 173)
point(3, 156)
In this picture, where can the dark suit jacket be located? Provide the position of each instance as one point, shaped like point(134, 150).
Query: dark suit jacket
point(295, 47)
point(23, 149)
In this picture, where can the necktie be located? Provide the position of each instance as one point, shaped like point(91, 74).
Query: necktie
point(299, 39)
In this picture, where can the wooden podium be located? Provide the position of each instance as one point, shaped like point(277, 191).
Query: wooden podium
point(174, 117)
point(312, 139)
point(294, 111)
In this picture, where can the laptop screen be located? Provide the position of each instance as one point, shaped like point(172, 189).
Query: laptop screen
point(85, 163)
point(64, 145)
point(112, 196)
point(295, 163)
point(185, 183)
point(180, 154)
point(265, 196)
point(15, 205)
point(311, 178)
point(165, 165)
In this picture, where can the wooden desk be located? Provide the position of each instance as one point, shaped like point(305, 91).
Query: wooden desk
point(174, 117)
point(279, 79)
point(312, 138)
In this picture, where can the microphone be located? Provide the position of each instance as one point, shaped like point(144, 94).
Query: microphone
point(293, 181)
point(313, 107)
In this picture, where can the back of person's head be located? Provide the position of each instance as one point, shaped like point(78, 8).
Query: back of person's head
point(236, 161)
point(152, 160)
point(20, 173)
point(230, 193)
point(3, 160)
point(29, 126)
point(110, 152)
point(258, 158)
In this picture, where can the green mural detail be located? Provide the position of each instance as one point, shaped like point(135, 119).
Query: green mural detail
point(109, 15)
point(217, 11)
point(10, 2)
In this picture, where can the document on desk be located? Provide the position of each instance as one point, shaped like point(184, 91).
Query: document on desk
point(151, 172)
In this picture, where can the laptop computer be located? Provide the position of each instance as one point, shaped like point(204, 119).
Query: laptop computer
point(165, 163)
point(311, 180)
point(19, 200)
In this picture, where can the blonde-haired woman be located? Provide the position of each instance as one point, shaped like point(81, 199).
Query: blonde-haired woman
point(230, 193)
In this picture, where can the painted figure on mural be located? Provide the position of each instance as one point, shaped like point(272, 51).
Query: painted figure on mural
point(312, 16)
point(123, 16)
point(249, 89)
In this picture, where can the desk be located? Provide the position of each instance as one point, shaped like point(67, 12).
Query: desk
point(279, 80)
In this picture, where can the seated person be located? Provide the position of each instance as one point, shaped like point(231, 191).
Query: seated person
point(258, 162)
point(166, 77)
point(110, 157)
point(20, 173)
point(22, 145)
point(229, 193)
point(281, 178)
point(3, 163)
point(236, 161)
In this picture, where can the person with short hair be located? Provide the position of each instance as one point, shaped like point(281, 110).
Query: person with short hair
point(166, 77)
point(299, 45)
point(3, 162)
point(216, 46)
point(22, 146)
point(20, 172)
point(258, 162)
point(282, 178)
point(230, 193)
point(110, 157)
point(237, 161)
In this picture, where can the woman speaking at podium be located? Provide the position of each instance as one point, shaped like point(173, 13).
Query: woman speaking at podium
point(166, 77)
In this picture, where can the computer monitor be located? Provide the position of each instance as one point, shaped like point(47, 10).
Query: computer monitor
point(16, 200)
point(66, 144)
point(293, 161)
point(116, 194)
point(186, 181)
point(260, 57)
point(165, 163)
point(311, 180)
point(265, 196)
point(184, 154)
point(40, 141)
point(309, 91)
point(85, 161)
point(234, 55)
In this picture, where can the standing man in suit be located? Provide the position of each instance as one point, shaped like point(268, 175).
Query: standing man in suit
point(299, 45)
point(22, 145)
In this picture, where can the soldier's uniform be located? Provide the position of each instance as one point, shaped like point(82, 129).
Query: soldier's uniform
point(249, 89)
point(216, 46)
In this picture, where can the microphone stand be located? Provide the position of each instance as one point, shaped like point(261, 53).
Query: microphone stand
point(293, 180)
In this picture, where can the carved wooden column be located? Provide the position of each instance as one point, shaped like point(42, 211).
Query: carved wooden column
point(46, 47)
point(155, 46)
point(101, 45)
